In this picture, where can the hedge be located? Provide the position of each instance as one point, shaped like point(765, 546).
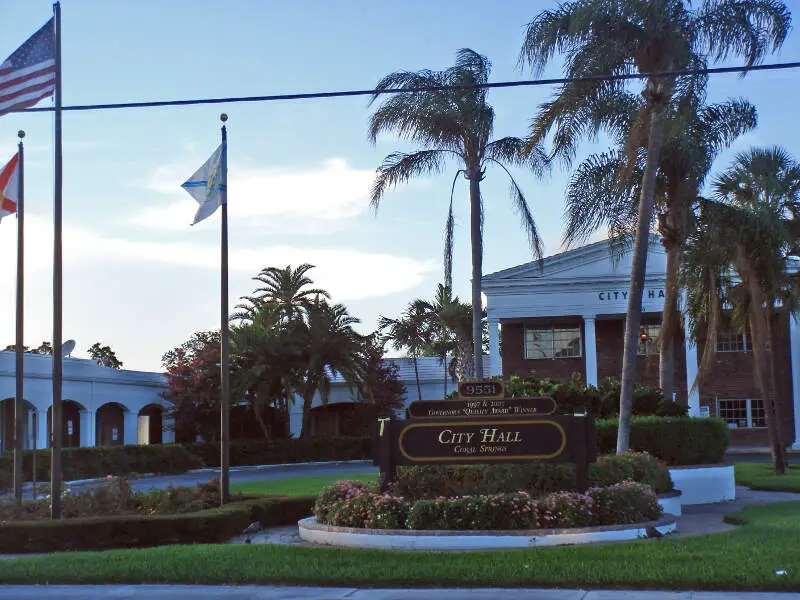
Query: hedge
point(215, 525)
point(675, 440)
point(84, 463)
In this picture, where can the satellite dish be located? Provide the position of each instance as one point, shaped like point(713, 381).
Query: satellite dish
point(67, 348)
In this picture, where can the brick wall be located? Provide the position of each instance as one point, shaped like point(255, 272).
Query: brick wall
point(609, 345)
point(515, 363)
point(732, 376)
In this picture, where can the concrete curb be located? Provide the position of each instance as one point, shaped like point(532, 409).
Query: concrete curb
point(245, 468)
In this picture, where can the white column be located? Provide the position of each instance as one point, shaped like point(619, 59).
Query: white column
point(30, 430)
point(590, 349)
point(88, 427)
point(495, 359)
point(42, 439)
point(131, 428)
point(690, 349)
point(794, 347)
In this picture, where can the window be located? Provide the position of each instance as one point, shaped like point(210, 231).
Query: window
point(552, 342)
point(742, 413)
point(729, 340)
point(648, 339)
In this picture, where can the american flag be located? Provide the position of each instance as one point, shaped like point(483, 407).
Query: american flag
point(29, 74)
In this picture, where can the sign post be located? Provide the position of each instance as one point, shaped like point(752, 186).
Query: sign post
point(483, 427)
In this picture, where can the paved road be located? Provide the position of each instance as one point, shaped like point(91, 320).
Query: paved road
point(186, 592)
point(267, 472)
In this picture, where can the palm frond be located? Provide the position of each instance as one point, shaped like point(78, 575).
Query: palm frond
point(526, 217)
point(747, 28)
point(400, 167)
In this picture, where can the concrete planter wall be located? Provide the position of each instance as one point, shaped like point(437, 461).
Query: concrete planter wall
point(704, 484)
point(404, 539)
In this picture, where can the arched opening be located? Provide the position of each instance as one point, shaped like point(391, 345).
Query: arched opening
point(151, 424)
point(331, 420)
point(70, 423)
point(111, 425)
point(7, 424)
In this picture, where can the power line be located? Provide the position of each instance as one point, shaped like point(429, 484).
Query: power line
point(370, 92)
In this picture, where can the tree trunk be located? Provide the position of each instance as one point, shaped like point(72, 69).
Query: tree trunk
point(444, 365)
point(773, 373)
point(416, 374)
point(261, 424)
point(638, 269)
point(758, 329)
point(308, 399)
point(476, 233)
point(669, 323)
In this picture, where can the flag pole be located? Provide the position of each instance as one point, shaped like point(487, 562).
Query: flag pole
point(19, 403)
point(56, 424)
point(225, 395)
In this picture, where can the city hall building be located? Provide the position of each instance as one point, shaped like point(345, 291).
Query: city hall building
point(570, 316)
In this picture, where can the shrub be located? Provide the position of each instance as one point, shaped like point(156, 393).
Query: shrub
point(330, 497)
point(425, 514)
point(677, 441)
point(627, 502)
point(537, 479)
point(567, 509)
point(139, 531)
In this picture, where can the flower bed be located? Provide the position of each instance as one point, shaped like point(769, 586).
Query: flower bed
point(352, 504)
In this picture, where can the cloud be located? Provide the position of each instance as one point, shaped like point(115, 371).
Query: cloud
point(279, 198)
point(346, 273)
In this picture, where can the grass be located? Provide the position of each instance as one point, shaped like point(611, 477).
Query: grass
point(299, 486)
point(760, 476)
point(744, 559)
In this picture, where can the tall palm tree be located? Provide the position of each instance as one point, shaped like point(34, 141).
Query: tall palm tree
point(330, 346)
point(598, 38)
point(605, 190)
point(267, 361)
point(750, 230)
point(286, 288)
point(451, 123)
point(410, 332)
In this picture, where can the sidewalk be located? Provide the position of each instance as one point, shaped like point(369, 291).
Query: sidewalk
point(187, 592)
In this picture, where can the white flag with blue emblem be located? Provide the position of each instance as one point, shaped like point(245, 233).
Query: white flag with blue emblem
point(206, 186)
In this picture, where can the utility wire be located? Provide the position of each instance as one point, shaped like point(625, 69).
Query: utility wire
point(371, 92)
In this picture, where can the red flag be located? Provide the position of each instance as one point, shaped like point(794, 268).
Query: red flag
point(9, 187)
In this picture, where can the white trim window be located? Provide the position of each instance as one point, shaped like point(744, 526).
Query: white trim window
point(648, 339)
point(742, 413)
point(730, 340)
point(553, 342)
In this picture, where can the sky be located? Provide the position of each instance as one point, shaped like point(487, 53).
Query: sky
point(137, 277)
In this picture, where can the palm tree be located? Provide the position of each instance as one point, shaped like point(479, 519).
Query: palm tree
point(752, 230)
point(286, 288)
point(451, 123)
point(411, 332)
point(605, 190)
point(330, 346)
point(599, 38)
point(266, 361)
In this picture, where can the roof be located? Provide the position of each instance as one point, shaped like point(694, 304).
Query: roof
point(430, 369)
point(564, 261)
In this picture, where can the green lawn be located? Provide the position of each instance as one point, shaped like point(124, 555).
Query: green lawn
point(760, 476)
point(743, 559)
point(299, 486)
